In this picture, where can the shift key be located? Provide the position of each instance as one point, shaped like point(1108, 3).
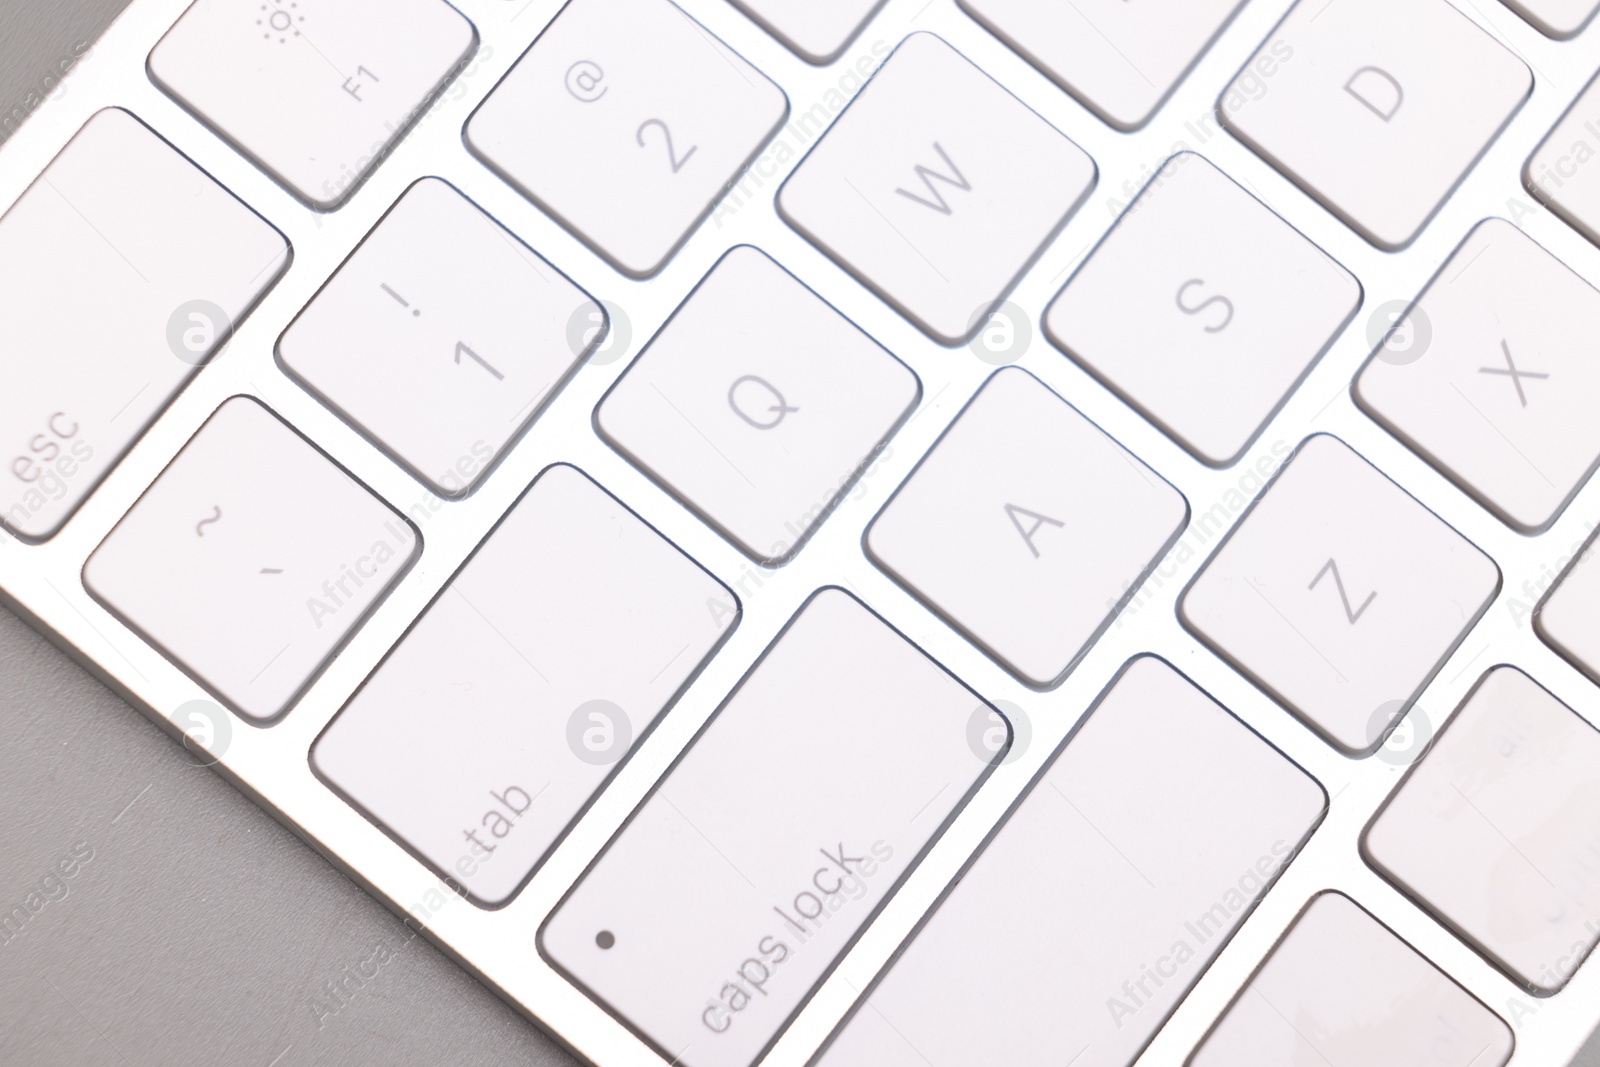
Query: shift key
point(715, 911)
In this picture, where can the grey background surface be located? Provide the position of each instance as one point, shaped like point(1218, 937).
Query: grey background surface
point(199, 931)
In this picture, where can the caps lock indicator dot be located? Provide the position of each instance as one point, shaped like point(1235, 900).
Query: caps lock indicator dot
point(605, 939)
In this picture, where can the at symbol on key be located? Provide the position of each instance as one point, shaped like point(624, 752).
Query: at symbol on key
point(1516, 376)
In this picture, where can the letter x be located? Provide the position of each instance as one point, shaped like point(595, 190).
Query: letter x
point(1510, 370)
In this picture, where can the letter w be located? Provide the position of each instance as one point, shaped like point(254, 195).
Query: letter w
point(1351, 615)
point(930, 176)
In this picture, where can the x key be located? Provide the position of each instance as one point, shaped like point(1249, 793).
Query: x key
point(1510, 370)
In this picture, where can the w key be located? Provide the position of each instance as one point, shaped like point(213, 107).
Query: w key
point(937, 188)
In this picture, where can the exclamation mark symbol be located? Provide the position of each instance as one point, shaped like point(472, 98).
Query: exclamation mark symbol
point(403, 302)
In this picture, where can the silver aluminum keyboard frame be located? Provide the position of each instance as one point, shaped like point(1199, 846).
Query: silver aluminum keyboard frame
point(270, 764)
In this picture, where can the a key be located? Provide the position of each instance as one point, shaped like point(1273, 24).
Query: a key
point(758, 405)
point(523, 686)
point(1120, 60)
point(1569, 618)
point(1339, 595)
point(1102, 899)
point(667, 116)
point(1560, 19)
point(713, 913)
point(441, 310)
point(251, 559)
point(815, 30)
point(316, 95)
point(1558, 172)
point(1203, 309)
point(1489, 378)
point(1026, 527)
point(1497, 831)
point(937, 188)
point(1378, 108)
point(1342, 989)
point(124, 268)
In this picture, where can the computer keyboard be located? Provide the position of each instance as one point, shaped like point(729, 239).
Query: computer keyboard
point(892, 532)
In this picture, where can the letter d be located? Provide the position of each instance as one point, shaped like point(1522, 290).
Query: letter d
point(1377, 90)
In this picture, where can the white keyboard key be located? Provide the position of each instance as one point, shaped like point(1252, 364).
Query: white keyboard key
point(1203, 309)
point(1569, 619)
point(1555, 18)
point(1378, 108)
point(815, 30)
point(1502, 398)
point(1497, 830)
point(1558, 170)
point(714, 912)
point(937, 188)
point(1026, 527)
point(1339, 595)
point(758, 405)
point(667, 116)
point(1120, 60)
point(515, 695)
point(1103, 898)
point(441, 338)
point(250, 559)
point(124, 266)
point(315, 94)
point(1340, 989)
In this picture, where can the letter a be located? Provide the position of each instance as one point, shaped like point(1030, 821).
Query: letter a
point(1012, 511)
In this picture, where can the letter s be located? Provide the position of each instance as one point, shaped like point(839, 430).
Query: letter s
point(1222, 301)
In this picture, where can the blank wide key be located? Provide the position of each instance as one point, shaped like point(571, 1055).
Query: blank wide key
point(815, 30)
point(1339, 595)
point(758, 404)
point(1203, 309)
point(1026, 527)
point(1560, 171)
point(937, 188)
point(1498, 385)
point(488, 728)
point(1342, 990)
point(1497, 831)
point(314, 94)
point(1378, 108)
point(441, 338)
point(124, 267)
point(251, 559)
point(1120, 60)
point(626, 121)
point(713, 913)
point(1102, 899)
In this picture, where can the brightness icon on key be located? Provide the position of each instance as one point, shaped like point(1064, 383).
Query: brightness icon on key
point(281, 21)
